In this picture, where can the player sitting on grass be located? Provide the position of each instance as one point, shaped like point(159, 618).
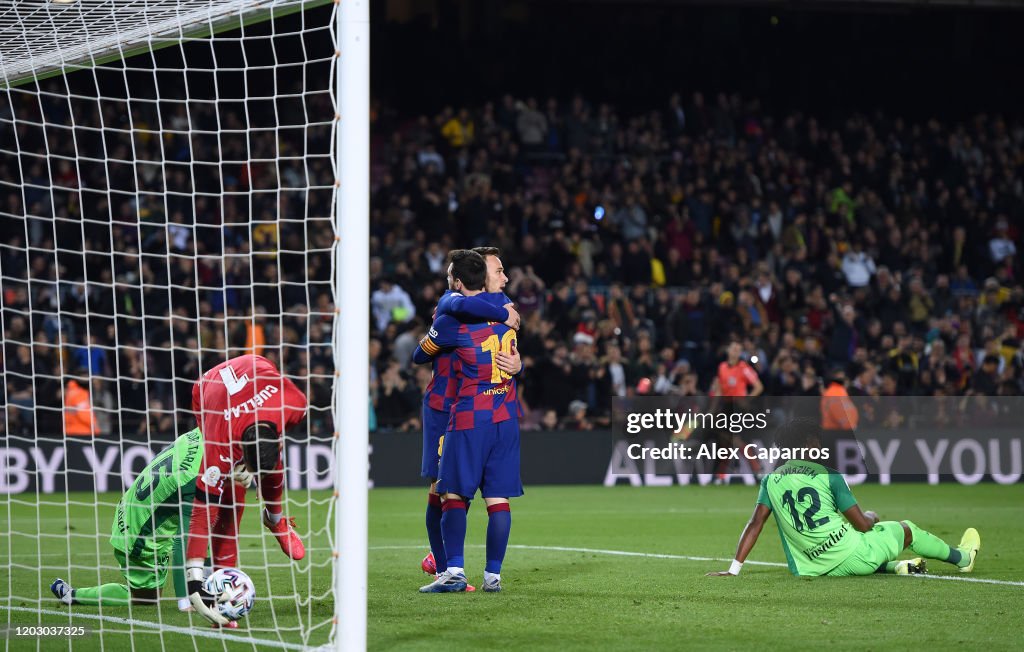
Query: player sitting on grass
point(480, 449)
point(809, 502)
point(441, 392)
point(146, 533)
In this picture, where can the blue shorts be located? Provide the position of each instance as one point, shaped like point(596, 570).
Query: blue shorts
point(435, 422)
point(485, 458)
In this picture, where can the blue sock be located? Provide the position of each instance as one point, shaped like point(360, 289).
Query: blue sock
point(499, 525)
point(453, 528)
point(434, 532)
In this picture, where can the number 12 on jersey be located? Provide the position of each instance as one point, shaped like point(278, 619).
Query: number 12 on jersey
point(494, 346)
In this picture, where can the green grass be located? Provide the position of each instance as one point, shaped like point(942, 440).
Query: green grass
point(580, 600)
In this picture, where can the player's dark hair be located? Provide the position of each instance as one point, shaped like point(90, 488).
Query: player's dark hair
point(261, 447)
point(798, 432)
point(456, 254)
point(470, 269)
point(488, 251)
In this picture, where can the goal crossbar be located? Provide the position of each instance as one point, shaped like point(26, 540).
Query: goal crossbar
point(109, 30)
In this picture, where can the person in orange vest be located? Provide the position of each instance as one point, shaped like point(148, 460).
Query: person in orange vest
point(79, 420)
point(839, 415)
point(255, 334)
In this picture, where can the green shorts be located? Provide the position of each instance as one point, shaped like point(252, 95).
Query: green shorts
point(882, 543)
point(148, 572)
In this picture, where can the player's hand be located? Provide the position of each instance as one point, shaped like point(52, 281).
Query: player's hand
point(242, 475)
point(202, 601)
point(510, 363)
point(513, 317)
point(872, 516)
point(724, 573)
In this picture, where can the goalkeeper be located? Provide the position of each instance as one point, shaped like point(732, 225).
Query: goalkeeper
point(243, 406)
point(147, 531)
point(810, 502)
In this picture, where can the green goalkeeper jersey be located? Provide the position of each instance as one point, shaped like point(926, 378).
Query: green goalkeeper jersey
point(808, 500)
point(151, 512)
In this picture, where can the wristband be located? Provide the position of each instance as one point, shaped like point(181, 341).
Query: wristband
point(194, 571)
point(734, 568)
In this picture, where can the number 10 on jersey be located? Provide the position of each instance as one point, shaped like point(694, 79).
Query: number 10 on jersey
point(494, 346)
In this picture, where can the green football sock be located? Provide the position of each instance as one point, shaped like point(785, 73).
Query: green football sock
point(178, 568)
point(108, 595)
point(928, 545)
point(890, 566)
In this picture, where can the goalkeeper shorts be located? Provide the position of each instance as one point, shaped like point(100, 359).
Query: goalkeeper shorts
point(881, 544)
point(149, 572)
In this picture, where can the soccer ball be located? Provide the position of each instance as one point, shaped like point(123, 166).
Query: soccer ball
point(233, 591)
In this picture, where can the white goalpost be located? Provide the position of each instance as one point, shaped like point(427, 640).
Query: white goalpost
point(353, 258)
point(181, 181)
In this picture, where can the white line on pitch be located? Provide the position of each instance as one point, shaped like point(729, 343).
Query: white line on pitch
point(655, 555)
point(161, 627)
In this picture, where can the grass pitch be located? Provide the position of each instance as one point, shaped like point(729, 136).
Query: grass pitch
point(567, 583)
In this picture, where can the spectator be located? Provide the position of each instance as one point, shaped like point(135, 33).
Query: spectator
point(986, 379)
point(397, 400)
point(79, 419)
point(532, 125)
point(576, 419)
point(391, 303)
point(858, 266)
point(1001, 247)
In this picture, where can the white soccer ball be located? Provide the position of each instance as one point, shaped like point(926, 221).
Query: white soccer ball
point(233, 591)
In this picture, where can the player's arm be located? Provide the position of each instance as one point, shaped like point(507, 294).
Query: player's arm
point(747, 540)
point(477, 308)
point(847, 504)
point(203, 515)
point(205, 512)
point(441, 336)
point(861, 521)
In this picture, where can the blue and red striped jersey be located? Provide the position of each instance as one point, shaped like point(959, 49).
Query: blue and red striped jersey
point(486, 395)
point(442, 389)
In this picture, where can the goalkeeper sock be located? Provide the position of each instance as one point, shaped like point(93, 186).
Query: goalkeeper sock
point(178, 567)
point(273, 518)
point(928, 545)
point(107, 595)
point(453, 529)
point(499, 524)
point(434, 535)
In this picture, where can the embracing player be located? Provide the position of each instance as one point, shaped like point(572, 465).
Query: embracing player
point(810, 501)
point(441, 392)
point(480, 448)
point(241, 404)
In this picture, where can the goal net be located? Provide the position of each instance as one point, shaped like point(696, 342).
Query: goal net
point(167, 202)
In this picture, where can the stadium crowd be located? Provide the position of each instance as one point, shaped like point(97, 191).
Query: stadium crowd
point(142, 247)
point(637, 246)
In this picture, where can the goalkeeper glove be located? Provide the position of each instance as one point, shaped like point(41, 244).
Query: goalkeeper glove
point(242, 475)
point(202, 602)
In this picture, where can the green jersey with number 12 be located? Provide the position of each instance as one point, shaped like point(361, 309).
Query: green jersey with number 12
point(151, 512)
point(808, 500)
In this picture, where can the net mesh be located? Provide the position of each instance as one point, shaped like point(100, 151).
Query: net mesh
point(162, 211)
